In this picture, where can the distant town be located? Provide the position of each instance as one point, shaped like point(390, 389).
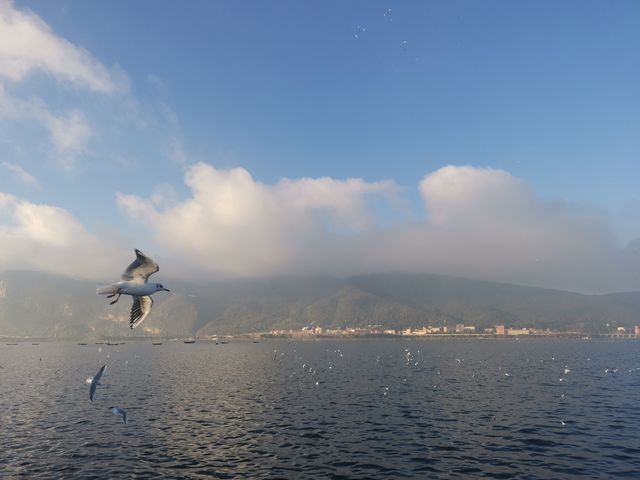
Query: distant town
point(460, 330)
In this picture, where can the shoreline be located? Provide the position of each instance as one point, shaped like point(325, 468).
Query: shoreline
point(265, 336)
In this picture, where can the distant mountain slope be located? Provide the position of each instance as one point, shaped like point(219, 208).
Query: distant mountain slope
point(37, 304)
point(487, 303)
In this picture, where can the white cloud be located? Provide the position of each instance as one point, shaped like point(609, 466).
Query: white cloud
point(480, 223)
point(345, 199)
point(494, 194)
point(69, 133)
point(235, 225)
point(28, 45)
point(21, 174)
point(47, 238)
point(485, 223)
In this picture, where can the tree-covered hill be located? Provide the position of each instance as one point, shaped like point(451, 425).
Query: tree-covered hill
point(41, 305)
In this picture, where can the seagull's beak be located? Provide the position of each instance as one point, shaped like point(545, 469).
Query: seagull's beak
point(166, 289)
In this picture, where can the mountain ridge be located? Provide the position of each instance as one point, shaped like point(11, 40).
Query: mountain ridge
point(48, 305)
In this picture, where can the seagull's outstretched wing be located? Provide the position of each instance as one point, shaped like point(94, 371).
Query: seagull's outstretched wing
point(140, 310)
point(140, 269)
point(95, 382)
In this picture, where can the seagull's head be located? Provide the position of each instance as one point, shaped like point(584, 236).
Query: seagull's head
point(159, 288)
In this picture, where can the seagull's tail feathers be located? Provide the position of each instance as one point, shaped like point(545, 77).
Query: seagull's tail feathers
point(106, 289)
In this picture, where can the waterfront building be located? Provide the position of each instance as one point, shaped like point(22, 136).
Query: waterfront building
point(518, 331)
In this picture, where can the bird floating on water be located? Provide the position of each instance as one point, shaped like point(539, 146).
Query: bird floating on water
point(95, 381)
point(134, 282)
point(120, 411)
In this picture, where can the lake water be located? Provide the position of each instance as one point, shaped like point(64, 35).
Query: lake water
point(367, 409)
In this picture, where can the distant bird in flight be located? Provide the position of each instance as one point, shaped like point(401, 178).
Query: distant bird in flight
point(95, 381)
point(120, 411)
point(134, 282)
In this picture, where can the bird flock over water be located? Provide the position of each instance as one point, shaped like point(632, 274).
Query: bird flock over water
point(312, 374)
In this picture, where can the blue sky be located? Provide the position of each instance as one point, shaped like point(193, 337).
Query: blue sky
point(145, 92)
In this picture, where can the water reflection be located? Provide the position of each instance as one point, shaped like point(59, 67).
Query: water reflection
point(360, 409)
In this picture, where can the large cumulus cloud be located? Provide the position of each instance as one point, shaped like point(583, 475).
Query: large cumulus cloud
point(478, 222)
point(485, 223)
point(235, 225)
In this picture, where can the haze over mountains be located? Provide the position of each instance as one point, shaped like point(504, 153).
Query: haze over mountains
point(43, 305)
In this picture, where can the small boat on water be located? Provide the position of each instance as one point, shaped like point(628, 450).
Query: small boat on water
point(10, 343)
point(81, 343)
point(224, 343)
point(157, 343)
point(99, 343)
point(256, 341)
point(189, 341)
point(35, 344)
point(112, 344)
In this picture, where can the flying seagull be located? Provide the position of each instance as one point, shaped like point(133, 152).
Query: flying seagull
point(134, 282)
point(95, 381)
point(120, 411)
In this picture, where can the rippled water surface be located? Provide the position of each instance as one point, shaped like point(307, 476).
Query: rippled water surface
point(388, 408)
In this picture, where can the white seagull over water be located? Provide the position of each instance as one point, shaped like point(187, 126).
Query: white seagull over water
point(95, 381)
point(120, 411)
point(134, 282)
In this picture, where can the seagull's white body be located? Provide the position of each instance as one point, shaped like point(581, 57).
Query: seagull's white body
point(137, 289)
point(134, 282)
